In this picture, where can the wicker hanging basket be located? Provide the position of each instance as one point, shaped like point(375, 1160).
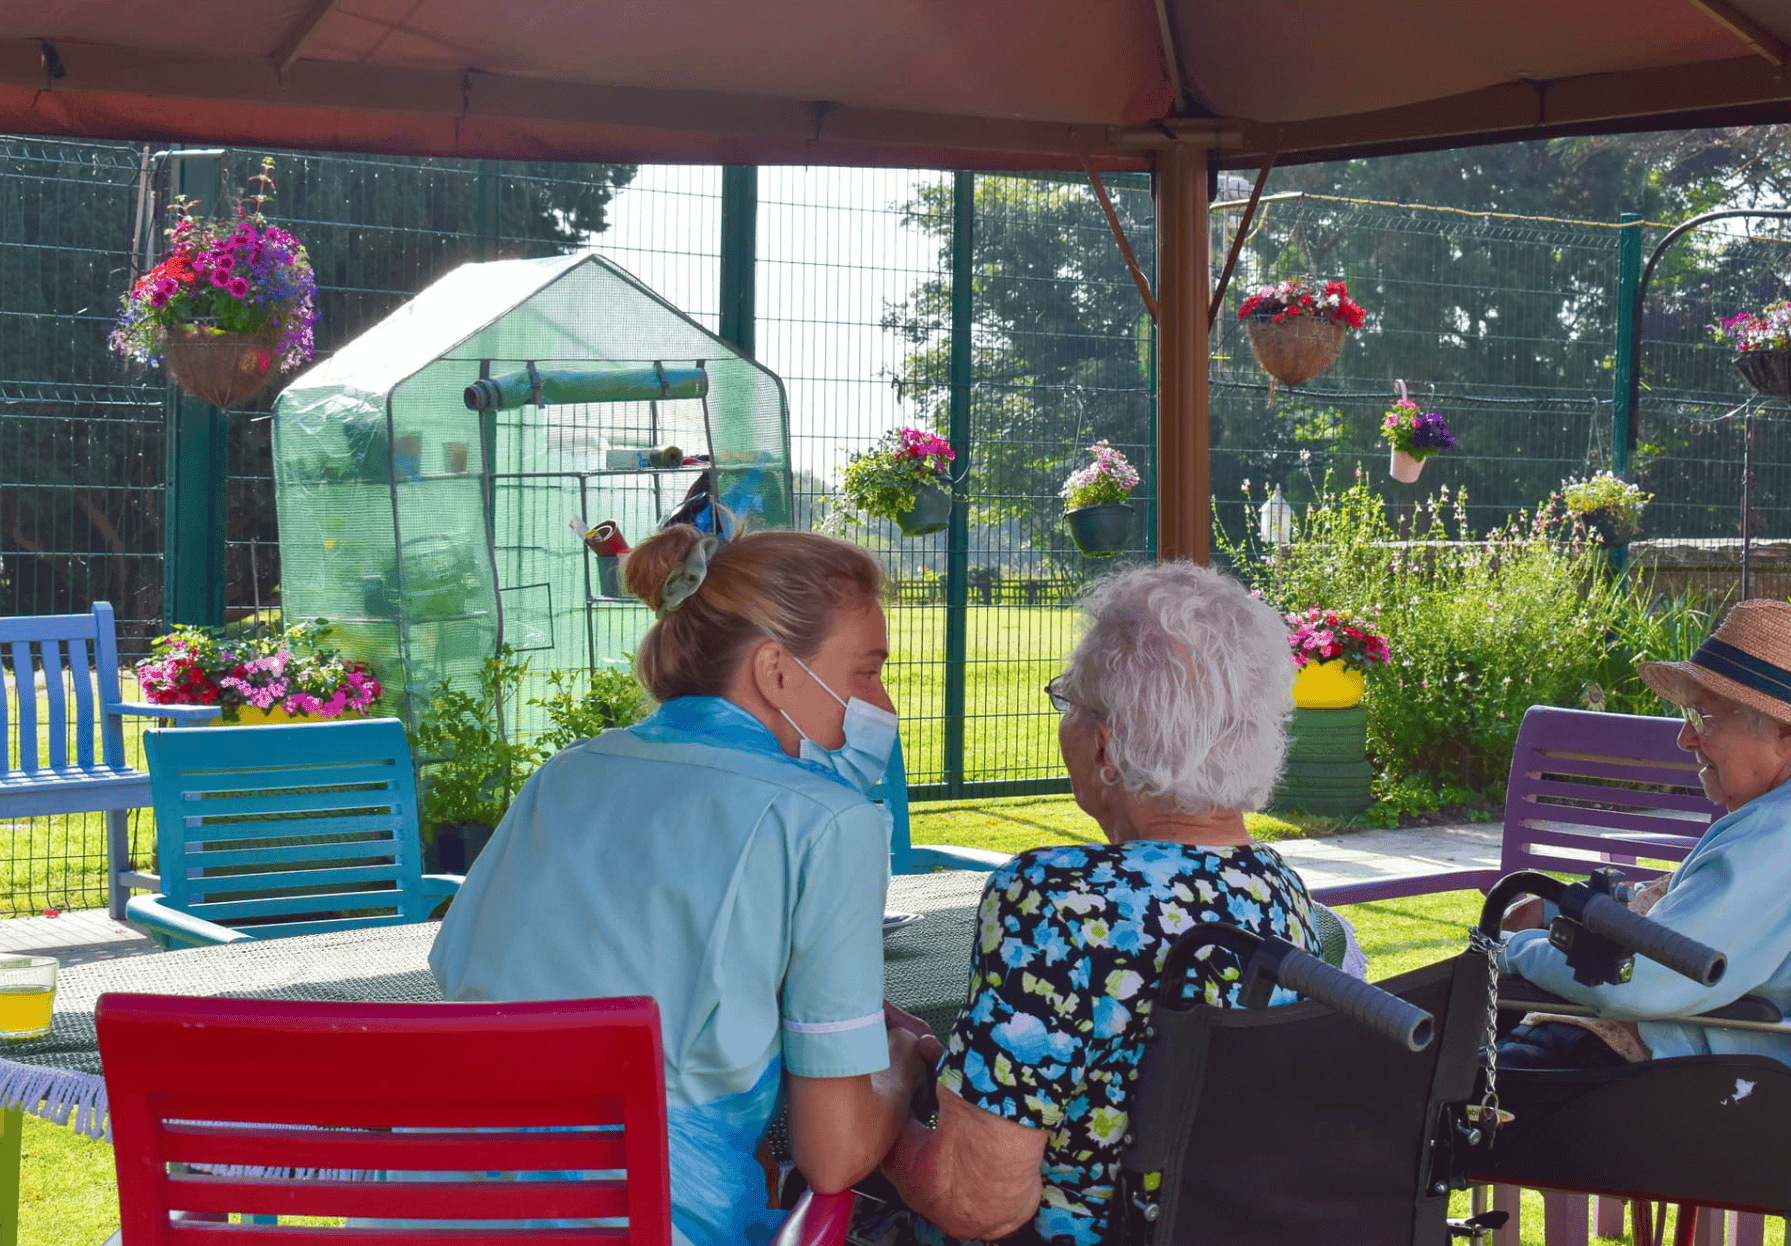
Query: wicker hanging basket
point(1294, 350)
point(1768, 371)
point(224, 369)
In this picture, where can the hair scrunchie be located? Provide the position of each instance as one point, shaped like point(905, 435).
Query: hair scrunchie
point(685, 578)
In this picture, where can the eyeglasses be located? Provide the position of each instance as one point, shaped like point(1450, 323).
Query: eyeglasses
point(1699, 720)
point(1062, 704)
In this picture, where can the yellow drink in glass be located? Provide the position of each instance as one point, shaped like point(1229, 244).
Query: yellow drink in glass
point(27, 990)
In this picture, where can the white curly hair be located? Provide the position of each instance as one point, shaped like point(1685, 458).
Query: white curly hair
point(1194, 678)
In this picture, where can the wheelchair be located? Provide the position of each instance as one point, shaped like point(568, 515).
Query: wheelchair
point(1354, 1114)
point(1303, 1123)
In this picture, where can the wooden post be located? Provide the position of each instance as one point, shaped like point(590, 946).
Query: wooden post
point(1184, 477)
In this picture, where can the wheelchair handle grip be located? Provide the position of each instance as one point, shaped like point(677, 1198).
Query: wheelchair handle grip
point(1703, 965)
point(1362, 1002)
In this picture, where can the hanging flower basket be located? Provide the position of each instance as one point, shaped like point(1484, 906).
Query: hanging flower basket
point(930, 513)
point(224, 369)
point(1100, 531)
point(1405, 468)
point(1768, 371)
point(1294, 351)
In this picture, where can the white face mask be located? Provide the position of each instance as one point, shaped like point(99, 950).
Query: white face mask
point(870, 739)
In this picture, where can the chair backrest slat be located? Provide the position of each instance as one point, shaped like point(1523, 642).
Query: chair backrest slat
point(1589, 788)
point(568, 1109)
point(55, 703)
point(80, 673)
point(24, 674)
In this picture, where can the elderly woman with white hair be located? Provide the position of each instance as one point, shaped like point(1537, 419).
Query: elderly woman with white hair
point(1174, 709)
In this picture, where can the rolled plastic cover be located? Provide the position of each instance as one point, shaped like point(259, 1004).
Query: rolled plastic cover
point(557, 387)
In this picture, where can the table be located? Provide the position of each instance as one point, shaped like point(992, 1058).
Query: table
point(58, 1077)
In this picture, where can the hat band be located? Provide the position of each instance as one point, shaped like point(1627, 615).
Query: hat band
point(1744, 668)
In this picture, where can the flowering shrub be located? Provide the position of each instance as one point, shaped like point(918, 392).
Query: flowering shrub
point(1108, 479)
point(1297, 297)
point(1767, 329)
point(884, 480)
point(1327, 636)
point(224, 275)
point(1418, 433)
point(1607, 504)
point(192, 666)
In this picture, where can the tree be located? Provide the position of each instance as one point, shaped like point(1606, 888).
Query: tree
point(1060, 345)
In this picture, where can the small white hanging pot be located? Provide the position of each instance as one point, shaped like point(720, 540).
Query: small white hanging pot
point(1404, 467)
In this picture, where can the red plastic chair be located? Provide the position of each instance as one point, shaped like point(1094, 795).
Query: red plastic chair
point(279, 1086)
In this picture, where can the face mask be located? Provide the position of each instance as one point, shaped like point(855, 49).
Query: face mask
point(870, 740)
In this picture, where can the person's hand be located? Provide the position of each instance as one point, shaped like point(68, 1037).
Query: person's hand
point(912, 1046)
point(1525, 914)
point(896, 1019)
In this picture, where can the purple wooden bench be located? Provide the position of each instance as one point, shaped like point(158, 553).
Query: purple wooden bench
point(1585, 789)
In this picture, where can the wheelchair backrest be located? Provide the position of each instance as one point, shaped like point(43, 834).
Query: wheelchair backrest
point(1292, 1125)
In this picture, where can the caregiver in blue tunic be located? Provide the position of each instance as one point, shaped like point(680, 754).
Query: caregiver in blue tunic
point(722, 857)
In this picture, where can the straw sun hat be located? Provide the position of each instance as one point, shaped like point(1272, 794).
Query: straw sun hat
point(1746, 660)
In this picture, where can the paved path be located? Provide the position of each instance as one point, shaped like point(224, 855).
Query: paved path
point(77, 938)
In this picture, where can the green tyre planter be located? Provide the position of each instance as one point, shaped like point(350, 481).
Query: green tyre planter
point(930, 513)
point(1326, 770)
point(1100, 531)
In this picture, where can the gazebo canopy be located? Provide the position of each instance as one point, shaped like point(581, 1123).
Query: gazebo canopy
point(993, 84)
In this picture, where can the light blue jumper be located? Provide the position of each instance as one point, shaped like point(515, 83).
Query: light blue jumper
point(691, 859)
point(1734, 893)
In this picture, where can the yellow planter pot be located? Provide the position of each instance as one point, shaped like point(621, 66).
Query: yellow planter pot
point(1327, 686)
point(249, 716)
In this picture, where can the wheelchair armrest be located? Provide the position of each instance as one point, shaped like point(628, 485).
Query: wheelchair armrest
point(1516, 992)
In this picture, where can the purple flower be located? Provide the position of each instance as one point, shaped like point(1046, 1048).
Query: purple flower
point(1430, 433)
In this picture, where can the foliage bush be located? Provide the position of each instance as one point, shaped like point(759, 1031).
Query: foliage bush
point(609, 697)
point(1480, 628)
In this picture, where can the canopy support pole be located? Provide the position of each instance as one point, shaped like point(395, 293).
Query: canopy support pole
point(1237, 243)
point(1119, 236)
point(1184, 473)
point(1757, 37)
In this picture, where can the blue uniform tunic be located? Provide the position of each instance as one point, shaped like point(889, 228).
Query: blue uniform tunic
point(691, 859)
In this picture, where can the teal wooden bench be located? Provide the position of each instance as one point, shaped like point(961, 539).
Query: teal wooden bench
point(62, 689)
point(909, 858)
point(263, 832)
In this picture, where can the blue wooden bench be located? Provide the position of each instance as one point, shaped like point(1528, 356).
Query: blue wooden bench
point(908, 858)
point(70, 662)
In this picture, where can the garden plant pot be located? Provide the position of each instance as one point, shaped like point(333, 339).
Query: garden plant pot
point(455, 846)
point(1768, 371)
point(931, 512)
point(1327, 772)
point(1294, 350)
point(1327, 686)
point(249, 716)
point(224, 369)
point(1404, 468)
point(1100, 531)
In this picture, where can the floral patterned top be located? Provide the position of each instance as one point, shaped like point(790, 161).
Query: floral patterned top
point(1070, 948)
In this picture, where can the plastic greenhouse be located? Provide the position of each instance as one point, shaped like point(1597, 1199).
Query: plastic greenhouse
point(431, 532)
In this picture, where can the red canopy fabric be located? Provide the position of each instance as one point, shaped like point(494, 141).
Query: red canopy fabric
point(949, 83)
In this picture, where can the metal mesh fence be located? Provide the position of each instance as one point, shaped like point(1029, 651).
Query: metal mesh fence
point(1506, 325)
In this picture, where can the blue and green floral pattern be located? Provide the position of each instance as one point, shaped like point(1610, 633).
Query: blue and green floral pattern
point(1070, 948)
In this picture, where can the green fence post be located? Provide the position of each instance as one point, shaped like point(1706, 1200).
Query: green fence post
point(198, 456)
point(739, 254)
point(1629, 278)
point(485, 244)
point(957, 539)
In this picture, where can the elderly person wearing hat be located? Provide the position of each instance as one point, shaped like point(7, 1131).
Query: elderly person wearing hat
point(1733, 891)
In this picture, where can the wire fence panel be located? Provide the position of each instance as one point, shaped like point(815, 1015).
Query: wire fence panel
point(1505, 325)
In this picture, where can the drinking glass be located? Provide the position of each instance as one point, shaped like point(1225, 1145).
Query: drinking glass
point(27, 989)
